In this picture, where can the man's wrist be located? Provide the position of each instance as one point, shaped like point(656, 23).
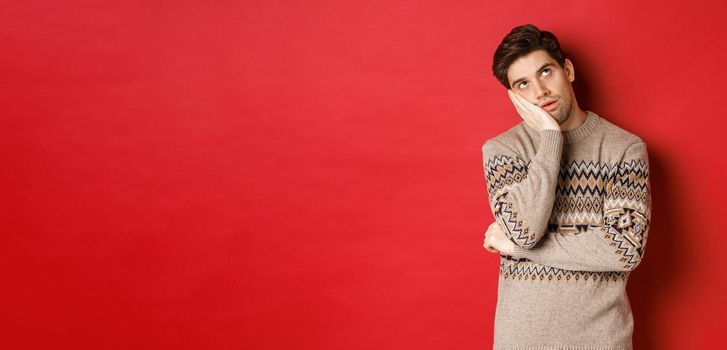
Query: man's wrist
point(551, 143)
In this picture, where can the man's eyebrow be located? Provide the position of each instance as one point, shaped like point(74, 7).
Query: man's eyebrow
point(539, 69)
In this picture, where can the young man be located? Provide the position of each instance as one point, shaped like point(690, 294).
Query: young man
point(570, 194)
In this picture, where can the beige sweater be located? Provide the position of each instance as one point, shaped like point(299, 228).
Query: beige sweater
point(577, 204)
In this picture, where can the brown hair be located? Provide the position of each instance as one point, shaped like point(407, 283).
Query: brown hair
point(521, 41)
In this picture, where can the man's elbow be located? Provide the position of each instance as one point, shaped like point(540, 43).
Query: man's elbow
point(631, 259)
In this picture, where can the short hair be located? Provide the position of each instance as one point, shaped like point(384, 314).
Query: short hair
point(521, 41)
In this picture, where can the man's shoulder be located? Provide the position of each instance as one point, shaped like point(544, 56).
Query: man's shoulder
point(616, 143)
point(617, 135)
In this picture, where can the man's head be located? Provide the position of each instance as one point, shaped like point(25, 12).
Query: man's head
point(532, 64)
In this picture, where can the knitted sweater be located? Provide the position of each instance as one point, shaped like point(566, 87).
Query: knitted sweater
point(577, 205)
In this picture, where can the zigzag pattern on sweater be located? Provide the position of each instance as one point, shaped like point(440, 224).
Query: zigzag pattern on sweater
point(501, 171)
point(506, 216)
point(627, 211)
point(630, 188)
point(626, 229)
point(523, 269)
point(626, 180)
point(581, 178)
point(569, 210)
point(588, 194)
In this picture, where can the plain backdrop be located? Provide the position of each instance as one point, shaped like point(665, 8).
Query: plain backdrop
point(308, 174)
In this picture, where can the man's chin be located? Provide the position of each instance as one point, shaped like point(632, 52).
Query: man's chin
point(561, 120)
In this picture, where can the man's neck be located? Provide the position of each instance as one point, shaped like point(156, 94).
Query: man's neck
point(576, 119)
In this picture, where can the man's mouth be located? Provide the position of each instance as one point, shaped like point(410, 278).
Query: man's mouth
point(549, 105)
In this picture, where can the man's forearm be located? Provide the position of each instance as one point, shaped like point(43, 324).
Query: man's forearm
point(597, 249)
point(619, 243)
point(522, 194)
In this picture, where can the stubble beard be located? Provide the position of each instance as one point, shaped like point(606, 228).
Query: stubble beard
point(562, 114)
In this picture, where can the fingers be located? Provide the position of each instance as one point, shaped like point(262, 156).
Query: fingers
point(488, 245)
point(496, 241)
point(522, 109)
point(488, 240)
point(514, 99)
point(521, 101)
point(518, 104)
point(495, 244)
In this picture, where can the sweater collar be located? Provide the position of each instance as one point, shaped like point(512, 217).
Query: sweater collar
point(577, 134)
point(583, 130)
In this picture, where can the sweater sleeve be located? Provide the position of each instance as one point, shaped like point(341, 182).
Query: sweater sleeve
point(521, 194)
point(619, 243)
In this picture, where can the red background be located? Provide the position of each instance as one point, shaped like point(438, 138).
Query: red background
point(308, 175)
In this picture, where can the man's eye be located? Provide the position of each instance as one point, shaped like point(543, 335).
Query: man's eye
point(521, 85)
point(546, 70)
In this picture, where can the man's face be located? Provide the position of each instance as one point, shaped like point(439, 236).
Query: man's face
point(541, 80)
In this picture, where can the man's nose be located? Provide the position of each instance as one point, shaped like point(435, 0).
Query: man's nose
point(541, 90)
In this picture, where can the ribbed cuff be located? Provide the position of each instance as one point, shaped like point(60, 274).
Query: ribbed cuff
point(551, 145)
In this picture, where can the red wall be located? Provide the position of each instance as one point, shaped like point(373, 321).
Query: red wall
point(308, 174)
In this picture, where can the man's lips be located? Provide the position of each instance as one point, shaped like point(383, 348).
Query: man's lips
point(549, 105)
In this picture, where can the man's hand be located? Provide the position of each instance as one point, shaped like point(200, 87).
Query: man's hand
point(496, 241)
point(535, 116)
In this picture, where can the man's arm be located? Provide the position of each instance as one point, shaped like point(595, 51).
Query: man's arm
point(521, 194)
point(617, 245)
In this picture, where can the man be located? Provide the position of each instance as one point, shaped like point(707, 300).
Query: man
point(570, 194)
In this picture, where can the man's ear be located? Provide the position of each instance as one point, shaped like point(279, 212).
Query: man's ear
point(569, 71)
